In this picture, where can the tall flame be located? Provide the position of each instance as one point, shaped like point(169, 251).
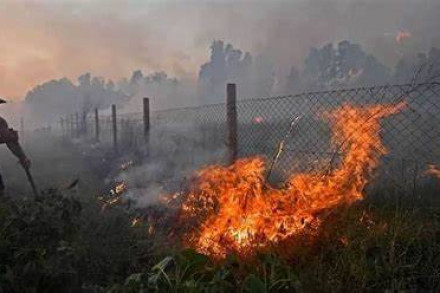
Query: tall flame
point(235, 210)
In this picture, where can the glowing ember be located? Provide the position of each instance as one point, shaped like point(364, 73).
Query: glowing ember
point(402, 35)
point(151, 230)
point(136, 221)
point(115, 195)
point(258, 120)
point(235, 210)
point(119, 188)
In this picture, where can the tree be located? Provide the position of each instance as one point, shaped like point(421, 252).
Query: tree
point(342, 64)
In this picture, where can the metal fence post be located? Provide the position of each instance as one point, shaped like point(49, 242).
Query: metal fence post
point(115, 129)
point(97, 130)
point(231, 112)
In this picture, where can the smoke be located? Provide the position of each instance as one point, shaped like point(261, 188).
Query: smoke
point(176, 150)
point(46, 45)
point(52, 39)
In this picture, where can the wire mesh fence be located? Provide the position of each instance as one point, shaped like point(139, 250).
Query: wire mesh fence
point(411, 135)
point(190, 137)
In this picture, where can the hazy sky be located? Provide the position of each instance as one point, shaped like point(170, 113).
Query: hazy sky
point(45, 39)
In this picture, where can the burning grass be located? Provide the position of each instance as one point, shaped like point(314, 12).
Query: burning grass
point(234, 210)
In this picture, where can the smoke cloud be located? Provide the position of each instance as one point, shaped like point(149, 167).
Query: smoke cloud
point(54, 39)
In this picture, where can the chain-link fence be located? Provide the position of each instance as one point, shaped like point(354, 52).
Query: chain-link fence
point(412, 136)
point(187, 138)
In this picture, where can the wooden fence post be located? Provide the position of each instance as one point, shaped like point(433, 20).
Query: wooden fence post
point(146, 102)
point(84, 124)
point(97, 130)
point(115, 129)
point(231, 112)
point(72, 127)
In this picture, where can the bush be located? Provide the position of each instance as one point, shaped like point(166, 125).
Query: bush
point(54, 243)
point(36, 244)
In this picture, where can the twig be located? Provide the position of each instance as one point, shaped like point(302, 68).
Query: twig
point(281, 145)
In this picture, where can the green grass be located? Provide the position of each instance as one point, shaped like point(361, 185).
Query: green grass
point(57, 243)
point(393, 250)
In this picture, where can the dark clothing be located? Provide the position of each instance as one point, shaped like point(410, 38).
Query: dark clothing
point(9, 137)
point(2, 186)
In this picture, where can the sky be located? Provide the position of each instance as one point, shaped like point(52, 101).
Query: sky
point(47, 39)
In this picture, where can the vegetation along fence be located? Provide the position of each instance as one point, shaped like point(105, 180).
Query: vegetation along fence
point(293, 132)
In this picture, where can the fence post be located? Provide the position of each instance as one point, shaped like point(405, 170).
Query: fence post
point(72, 127)
point(115, 129)
point(84, 124)
point(231, 112)
point(97, 125)
point(146, 102)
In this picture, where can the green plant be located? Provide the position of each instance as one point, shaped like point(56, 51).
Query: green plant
point(36, 243)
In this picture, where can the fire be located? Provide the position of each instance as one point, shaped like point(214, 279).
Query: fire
point(235, 210)
point(115, 195)
point(119, 188)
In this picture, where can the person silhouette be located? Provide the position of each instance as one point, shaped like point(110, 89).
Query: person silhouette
point(9, 137)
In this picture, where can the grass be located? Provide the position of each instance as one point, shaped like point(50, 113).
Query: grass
point(56, 243)
point(63, 242)
point(368, 248)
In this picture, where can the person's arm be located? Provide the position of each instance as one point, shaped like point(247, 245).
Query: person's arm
point(10, 137)
point(16, 149)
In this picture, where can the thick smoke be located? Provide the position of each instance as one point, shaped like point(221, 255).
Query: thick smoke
point(46, 103)
point(343, 64)
point(162, 90)
point(51, 39)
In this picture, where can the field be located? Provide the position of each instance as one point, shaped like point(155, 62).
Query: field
point(62, 241)
point(95, 235)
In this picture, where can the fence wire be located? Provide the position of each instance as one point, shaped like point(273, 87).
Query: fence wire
point(188, 138)
point(411, 136)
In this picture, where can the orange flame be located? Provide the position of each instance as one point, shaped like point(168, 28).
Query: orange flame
point(236, 211)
